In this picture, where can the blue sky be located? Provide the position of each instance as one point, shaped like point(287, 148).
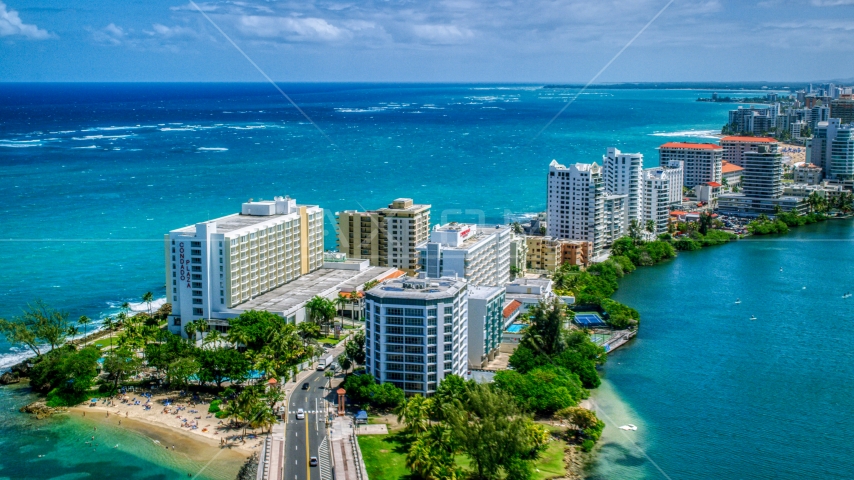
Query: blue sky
point(431, 41)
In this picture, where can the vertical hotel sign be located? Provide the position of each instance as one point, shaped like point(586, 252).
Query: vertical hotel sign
point(184, 268)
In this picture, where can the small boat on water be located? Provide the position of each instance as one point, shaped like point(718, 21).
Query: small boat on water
point(753, 317)
point(737, 301)
point(629, 427)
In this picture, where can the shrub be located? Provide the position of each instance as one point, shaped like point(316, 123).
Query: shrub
point(588, 445)
point(214, 406)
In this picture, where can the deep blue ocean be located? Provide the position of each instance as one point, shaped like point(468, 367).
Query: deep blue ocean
point(92, 176)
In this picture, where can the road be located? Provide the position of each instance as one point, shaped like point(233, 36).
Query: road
point(303, 438)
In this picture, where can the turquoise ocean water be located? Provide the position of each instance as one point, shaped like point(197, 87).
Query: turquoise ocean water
point(92, 176)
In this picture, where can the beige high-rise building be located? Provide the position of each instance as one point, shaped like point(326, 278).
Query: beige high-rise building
point(388, 236)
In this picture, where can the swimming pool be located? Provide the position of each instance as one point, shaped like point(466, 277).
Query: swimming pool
point(515, 328)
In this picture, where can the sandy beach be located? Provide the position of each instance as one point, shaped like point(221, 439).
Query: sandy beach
point(170, 421)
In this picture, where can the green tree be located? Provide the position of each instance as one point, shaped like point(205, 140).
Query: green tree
point(109, 324)
point(37, 325)
point(370, 284)
point(321, 311)
point(181, 371)
point(547, 321)
point(344, 362)
point(491, 430)
point(84, 322)
point(635, 231)
point(355, 348)
point(148, 297)
point(543, 390)
point(121, 363)
point(221, 364)
point(414, 413)
point(650, 226)
point(431, 456)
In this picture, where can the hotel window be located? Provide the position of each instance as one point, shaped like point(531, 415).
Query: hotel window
point(176, 322)
point(197, 268)
point(198, 311)
point(197, 301)
point(195, 244)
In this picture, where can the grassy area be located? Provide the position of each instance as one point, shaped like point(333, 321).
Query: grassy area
point(385, 458)
point(331, 341)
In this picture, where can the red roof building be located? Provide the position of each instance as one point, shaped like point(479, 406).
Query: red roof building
point(735, 147)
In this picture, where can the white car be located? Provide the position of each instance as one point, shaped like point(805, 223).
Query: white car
point(300, 414)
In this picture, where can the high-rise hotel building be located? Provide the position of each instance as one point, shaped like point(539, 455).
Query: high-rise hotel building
point(701, 162)
point(575, 203)
point(735, 147)
point(214, 266)
point(623, 175)
point(388, 236)
point(416, 332)
point(480, 254)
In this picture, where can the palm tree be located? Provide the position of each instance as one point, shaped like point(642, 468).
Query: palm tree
point(356, 299)
point(72, 332)
point(340, 302)
point(148, 298)
point(110, 324)
point(214, 338)
point(329, 374)
point(413, 413)
point(84, 321)
point(650, 226)
point(126, 308)
point(190, 328)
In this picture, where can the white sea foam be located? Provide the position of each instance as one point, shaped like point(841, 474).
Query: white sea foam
point(113, 129)
point(84, 148)
point(248, 127)
point(689, 133)
point(20, 143)
point(101, 137)
point(212, 149)
point(180, 129)
point(365, 110)
point(15, 356)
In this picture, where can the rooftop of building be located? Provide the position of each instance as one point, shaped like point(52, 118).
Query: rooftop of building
point(540, 282)
point(484, 292)
point(581, 167)
point(323, 282)
point(398, 205)
point(810, 166)
point(237, 221)
point(714, 184)
point(727, 167)
point(692, 146)
point(418, 288)
point(742, 139)
point(510, 307)
point(458, 238)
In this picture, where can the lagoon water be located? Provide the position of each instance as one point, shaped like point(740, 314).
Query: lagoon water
point(92, 176)
point(716, 395)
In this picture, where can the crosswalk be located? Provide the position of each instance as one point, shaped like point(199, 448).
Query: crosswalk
point(323, 460)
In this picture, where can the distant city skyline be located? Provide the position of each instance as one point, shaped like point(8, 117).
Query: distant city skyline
point(410, 41)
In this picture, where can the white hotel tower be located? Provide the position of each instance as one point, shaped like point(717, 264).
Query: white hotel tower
point(417, 332)
point(575, 203)
point(214, 266)
point(623, 175)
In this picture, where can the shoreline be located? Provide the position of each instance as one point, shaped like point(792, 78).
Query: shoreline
point(122, 413)
point(195, 447)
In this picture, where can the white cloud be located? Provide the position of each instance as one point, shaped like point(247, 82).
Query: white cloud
point(290, 28)
point(11, 24)
point(442, 34)
point(111, 34)
point(832, 3)
point(176, 31)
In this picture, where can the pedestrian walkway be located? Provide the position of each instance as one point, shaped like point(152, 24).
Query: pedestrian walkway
point(324, 460)
point(273, 460)
point(347, 463)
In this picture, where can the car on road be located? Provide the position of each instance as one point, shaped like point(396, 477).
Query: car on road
point(305, 386)
point(300, 414)
point(312, 461)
